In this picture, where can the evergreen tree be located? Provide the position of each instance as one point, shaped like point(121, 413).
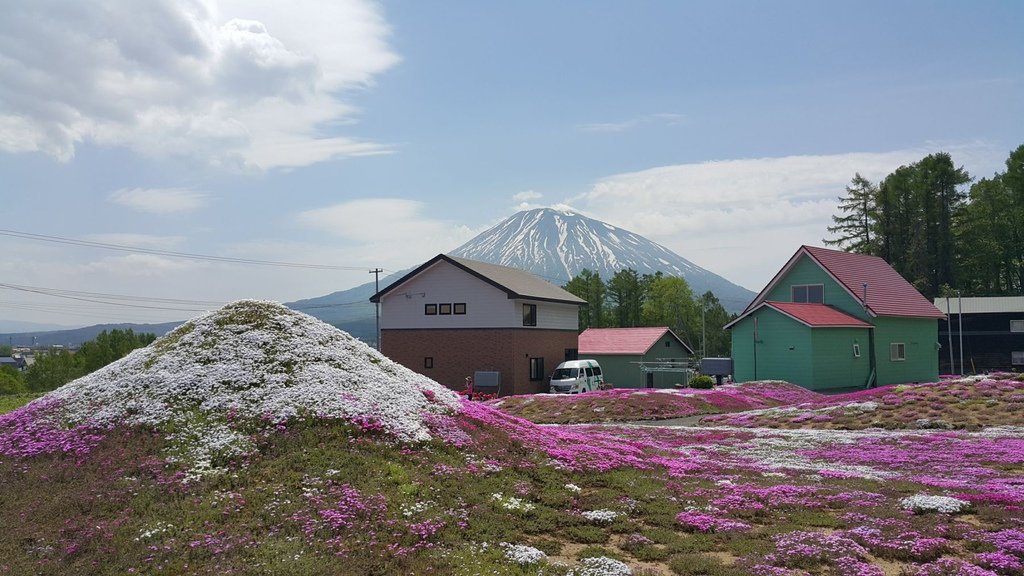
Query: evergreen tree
point(855, 228)
point(590, 287)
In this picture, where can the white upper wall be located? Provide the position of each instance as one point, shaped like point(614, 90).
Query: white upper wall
point(486, 305)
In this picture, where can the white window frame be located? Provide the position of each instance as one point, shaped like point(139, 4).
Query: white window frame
point(1017, 358)
point(856, 350)
point(897, 351)
point(1016, 326)
point(807, 293)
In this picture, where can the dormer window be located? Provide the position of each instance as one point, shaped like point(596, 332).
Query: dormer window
point(809, 293)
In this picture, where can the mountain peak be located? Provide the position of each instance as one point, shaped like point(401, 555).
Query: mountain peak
point(558, 243)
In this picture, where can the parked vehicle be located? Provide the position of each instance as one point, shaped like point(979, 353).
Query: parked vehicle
point(576, 376)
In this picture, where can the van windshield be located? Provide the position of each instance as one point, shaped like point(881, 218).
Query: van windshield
point(565, 374)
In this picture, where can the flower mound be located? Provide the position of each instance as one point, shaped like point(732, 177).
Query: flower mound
point(254, 361)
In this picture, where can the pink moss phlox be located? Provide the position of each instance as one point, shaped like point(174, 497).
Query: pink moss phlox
point(1001, 562)
point(35, 429)
point(576, 448)
point(798, 548)
point(703, 522)
point(949, 567)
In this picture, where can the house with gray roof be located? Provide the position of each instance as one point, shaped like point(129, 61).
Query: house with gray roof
point(453, 318)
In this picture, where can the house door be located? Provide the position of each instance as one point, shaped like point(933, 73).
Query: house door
point(650, 379)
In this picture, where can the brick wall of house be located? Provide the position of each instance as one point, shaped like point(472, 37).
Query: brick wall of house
point(459, 353)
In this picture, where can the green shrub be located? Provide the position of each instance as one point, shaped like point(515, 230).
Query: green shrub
point(703, 382)
point(586, 534)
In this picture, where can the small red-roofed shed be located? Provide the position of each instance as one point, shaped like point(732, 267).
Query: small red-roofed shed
point(832, 320)
point(621, 351)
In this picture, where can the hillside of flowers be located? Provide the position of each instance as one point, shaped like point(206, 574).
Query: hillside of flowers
point(635, 404)
point(279, 468)
point(970, 403)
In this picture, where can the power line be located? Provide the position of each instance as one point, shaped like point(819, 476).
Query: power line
point(188, 255)
point(123, 300)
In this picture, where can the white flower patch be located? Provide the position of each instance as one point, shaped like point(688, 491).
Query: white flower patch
point(410, 510)
point(157, 530)
point(573, 488)
point(600, 516)
point(601, 566)
point(920, 503)
point(522, 554)
point(512, 503)
point(258, 361)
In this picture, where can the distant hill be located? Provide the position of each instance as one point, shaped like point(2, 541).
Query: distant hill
point(557, 245)
point(76, 336)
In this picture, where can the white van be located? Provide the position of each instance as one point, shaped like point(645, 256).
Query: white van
point(576, 376)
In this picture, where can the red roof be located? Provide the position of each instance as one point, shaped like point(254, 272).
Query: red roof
point(634, 341)
point(818, 315)
point(888, 293)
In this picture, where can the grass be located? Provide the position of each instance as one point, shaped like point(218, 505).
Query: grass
point(11, 402)
point(323, 497)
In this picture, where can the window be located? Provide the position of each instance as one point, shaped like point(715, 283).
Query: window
point(536, 368)
point(428, 362)
point(529, 314)
point(1017, 358)
point(1016, 325)
point(445, 309)
point(809, 293)
point(597, 370)
point(430, 309)
point(856, 350)
point(668, 343)
point(897, 352)
point(572, 354)
point(459, 307)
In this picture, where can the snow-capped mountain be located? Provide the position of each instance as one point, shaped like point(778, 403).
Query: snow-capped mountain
point(556, 245)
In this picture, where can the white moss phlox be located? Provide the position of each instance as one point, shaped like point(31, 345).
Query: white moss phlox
point(522, 554)
point(942, 504)
point(601, 566)
point(252, 360)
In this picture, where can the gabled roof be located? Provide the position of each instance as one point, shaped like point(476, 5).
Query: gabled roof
point(888, 293)
point(981, 304)
point(818, 315)
point(631, 341)
point(514, 282)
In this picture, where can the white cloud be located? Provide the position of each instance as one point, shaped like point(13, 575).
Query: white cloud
point(140, 265)
point(392, 232)
point(664, 119)
point(741, 219)
point(137, 240)
point(250, 83)
point(526, 196)
point(159, 200)
point(525, 200)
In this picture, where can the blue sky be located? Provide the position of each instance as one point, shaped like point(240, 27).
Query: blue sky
point(366, 135)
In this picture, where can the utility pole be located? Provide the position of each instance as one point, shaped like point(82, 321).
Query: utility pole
point(376, 288)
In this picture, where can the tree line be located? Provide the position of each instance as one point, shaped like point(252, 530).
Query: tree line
point(937, 233)
point(55, 368)
point(629, 299)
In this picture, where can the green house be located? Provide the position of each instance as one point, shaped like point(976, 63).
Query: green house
point(832, 320)
point(637, 357)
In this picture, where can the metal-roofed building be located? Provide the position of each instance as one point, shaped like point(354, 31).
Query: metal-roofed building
point(991, 330)
point(832, 320)
point(638, 357)
point(453, 317)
